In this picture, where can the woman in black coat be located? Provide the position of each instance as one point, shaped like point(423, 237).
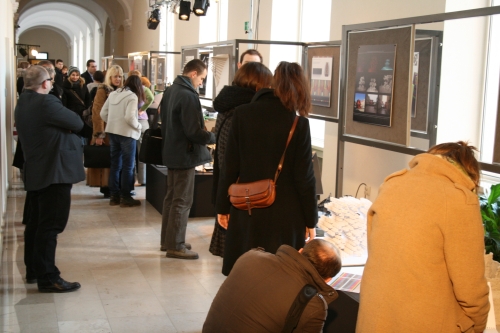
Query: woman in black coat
point(256, 143)
point(250, 78)
point(77, 97)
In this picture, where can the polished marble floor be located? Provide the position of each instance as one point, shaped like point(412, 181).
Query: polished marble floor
point(128, 285)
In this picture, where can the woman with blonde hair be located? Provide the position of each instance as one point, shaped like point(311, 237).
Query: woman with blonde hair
point(113, 80)
point(425, 268)
point(256, 142)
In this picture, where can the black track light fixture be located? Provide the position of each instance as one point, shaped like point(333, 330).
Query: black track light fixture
point(184, 10)
point(154, 19)
point(23, 52)
point(200, 7)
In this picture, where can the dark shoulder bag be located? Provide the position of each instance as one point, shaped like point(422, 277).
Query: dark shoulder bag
point(299, 304)
point(261, 193)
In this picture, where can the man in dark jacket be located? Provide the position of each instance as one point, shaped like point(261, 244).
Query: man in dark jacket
point(53, 162)
point(88, 75)
point(257, 295)
point(184, 140)
point(59, 79)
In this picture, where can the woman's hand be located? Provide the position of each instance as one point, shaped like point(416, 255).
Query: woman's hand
point(223, 220)
point(141, 112)
point(99, 141)
point(310, 233)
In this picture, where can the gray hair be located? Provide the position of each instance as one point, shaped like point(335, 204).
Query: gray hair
point(34, 77)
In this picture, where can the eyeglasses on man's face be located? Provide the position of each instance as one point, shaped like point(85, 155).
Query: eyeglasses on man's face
point(49, 79)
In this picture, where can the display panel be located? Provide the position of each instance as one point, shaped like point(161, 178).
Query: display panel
point(380, 112)
point(421, 85)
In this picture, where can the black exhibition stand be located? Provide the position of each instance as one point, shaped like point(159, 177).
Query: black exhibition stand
point(156, 189)
point(342, 313)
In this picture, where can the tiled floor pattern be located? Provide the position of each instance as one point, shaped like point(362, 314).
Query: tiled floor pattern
point(128, 285)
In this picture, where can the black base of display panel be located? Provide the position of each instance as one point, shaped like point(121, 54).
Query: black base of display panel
point(156, 189)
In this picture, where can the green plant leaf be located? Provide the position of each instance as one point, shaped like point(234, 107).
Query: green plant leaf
point(494, 194)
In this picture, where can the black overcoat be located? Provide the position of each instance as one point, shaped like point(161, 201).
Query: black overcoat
point(256, 142)
point(52, 152)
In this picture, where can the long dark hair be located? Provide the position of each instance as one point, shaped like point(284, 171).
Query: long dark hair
point(292, 88)
point(135, 85)
point(253, 75)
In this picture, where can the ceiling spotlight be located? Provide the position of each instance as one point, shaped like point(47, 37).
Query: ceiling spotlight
point(34, 52)
point(200, 7)
point(184, 10)
point(154, 19)
point(23, 52)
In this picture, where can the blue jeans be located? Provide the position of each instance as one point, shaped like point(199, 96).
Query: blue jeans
point(122, 150)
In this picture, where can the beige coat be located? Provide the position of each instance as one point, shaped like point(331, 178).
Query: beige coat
point(425, 268)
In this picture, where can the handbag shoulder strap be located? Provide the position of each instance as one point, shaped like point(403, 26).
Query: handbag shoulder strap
point(81, 101)
point(280, 165)
point(299, 304)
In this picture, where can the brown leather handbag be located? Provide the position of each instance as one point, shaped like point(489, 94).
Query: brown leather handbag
point(260, 193)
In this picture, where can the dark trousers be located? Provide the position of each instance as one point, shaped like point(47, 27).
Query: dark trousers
point(48, 216)
point(121, 174)
point(176, 207)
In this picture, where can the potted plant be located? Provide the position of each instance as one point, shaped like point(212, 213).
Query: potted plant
point(490, 212)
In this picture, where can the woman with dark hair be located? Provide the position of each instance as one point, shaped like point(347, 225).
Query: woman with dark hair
point(425, 268)
point(120, 115)
point(249, 79)
point(76, 97)
point(256, 142)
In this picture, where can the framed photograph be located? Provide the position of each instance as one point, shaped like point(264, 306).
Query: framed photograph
point(152, 71)
point(321, 81)
point(160, 74)
point(322, 71)
point(421, 86)
point(205, 56)
point(376, 62)
point(414, 85)
point(374, 80)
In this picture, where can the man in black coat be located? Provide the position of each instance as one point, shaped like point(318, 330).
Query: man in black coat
point(59, 79)
point(88, 75)
point(53, 162)
point(259, 292)
point(184, 147)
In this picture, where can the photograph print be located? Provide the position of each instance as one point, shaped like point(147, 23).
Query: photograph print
point(374, 84)
point(160, 74)
point(321, 81)
point(414, 85)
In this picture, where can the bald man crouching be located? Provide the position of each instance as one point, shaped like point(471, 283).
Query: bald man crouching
point(259, 291)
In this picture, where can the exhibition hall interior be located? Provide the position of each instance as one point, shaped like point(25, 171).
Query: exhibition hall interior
point(387, 81)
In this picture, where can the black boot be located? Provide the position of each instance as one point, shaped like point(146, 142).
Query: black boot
point(129, 202)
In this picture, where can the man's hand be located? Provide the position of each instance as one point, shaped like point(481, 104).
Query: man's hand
point(310, 233)
point(223, 220)
point(99, 141)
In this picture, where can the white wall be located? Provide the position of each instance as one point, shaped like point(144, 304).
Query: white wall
point(49, 41)
point(7, 100)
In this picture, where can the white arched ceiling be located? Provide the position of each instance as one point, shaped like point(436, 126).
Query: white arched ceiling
point(72, 24)
point(67, 38)
point(58, 11)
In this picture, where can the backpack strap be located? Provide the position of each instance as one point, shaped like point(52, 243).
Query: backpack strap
point(299, 304)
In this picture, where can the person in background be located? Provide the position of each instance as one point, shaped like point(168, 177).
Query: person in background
point(262, 287)
point(249, 79)
point(184, 147)
point(59, 80)
point(425, 269)
point(143, 120)
point(56, 90)
point(144, 80)
point(88, 75)
point(120, 115)
point(53, 163)
point(98, 79)
point(21, 67)
point(77, 97)
point(250, 55)
point(255, 145)
point(64, 71)
point(113, 80)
